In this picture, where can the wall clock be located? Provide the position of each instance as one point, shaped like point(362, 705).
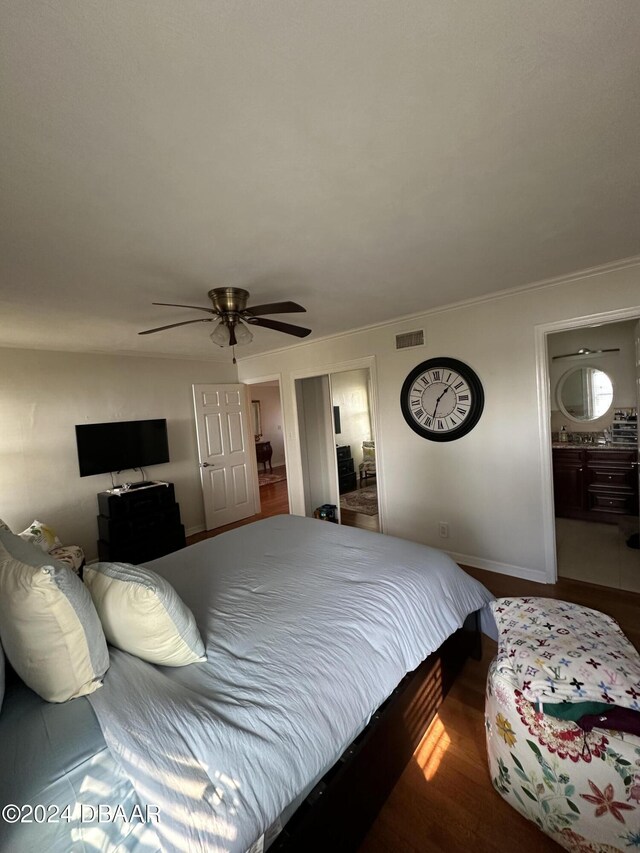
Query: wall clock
point(442, 399)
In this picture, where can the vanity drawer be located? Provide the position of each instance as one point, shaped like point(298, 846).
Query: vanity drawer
point(605, 458)
point(613, 502)
point(617, 478)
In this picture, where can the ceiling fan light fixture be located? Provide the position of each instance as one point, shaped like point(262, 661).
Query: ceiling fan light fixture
point(220, 335)
point(243, 335)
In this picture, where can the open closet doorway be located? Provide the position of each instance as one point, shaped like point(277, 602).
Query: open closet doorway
point(336, 428)
point(594, 384)
point(267, 424)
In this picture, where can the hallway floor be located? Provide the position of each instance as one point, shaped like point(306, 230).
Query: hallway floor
point(597, 553)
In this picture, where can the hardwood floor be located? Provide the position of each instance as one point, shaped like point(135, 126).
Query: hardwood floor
point(444, 801)
point(350, 518)
point(274, 500)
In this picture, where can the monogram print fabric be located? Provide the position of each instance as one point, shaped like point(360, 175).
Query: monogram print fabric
point(562, 652)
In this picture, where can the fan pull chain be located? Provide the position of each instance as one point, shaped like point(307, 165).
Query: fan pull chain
point(233, 350)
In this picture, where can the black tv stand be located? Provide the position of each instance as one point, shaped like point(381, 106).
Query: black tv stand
point(139, 523)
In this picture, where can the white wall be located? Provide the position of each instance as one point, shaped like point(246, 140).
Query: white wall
point(619, 366)
point(350, 391)
point(44, 394)
point(488, 485)
point(271, 419)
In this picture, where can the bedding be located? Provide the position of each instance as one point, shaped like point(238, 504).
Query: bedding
point(308, 628)
point(1, 676)
point(142, 614)
point(41, 536)
point(50, 630)
point(25, 551)
point(55, 756)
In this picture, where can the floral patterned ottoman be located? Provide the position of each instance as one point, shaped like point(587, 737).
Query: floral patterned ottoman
point(578, 781)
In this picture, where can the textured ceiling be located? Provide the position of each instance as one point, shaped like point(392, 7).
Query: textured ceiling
point(366, 159)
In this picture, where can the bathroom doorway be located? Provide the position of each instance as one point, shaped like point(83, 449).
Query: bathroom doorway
point(594, 388)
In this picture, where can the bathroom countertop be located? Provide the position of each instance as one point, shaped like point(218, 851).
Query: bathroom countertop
point(567, 445)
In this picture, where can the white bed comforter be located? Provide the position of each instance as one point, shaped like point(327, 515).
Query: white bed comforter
point(308, 627)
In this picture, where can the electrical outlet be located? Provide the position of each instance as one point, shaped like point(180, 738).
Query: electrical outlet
point(444, 529)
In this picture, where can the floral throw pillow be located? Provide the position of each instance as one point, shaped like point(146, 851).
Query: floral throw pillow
point(563, 652)
point(41, 535)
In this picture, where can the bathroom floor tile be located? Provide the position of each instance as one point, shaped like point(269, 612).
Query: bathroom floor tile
point(597, 553)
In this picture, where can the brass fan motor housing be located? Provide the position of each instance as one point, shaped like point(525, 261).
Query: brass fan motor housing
point(229, 300)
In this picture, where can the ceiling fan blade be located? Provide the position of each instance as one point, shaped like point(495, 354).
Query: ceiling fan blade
point(277, 326)
point(173, 325)
point(195, 307)
point(274, 308)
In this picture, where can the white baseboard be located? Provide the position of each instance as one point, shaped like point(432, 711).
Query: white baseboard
point(190, 531)
point(499, 568)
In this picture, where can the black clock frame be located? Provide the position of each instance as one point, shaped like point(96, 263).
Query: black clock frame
point(477, 398)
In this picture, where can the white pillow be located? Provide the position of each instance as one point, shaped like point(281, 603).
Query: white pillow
point(50, 630)
point(40, 535)
point(142, 614)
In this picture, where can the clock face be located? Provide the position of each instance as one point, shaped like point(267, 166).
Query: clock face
point(442, 399)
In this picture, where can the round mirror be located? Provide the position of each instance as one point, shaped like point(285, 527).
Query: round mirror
point(585, 394)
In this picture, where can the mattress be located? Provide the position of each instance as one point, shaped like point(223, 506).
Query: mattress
point(308, 628)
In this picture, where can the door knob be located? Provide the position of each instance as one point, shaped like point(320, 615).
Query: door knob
point(207, 465)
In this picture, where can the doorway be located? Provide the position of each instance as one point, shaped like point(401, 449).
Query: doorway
point(336, 428)
point(593, 375)
point(268, 431)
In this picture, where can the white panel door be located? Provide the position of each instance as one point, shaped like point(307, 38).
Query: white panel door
point(226, 450)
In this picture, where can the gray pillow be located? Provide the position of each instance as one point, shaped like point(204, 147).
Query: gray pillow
point(1, 676)
point(26, 552)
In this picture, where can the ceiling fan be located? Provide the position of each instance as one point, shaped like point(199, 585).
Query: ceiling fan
point(232, 315)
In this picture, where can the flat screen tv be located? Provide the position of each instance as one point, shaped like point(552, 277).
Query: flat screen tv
point(121, 445)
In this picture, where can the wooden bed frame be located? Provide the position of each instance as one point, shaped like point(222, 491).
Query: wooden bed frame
point(341, 808)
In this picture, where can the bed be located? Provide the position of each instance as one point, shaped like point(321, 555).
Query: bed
point(328, 649)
